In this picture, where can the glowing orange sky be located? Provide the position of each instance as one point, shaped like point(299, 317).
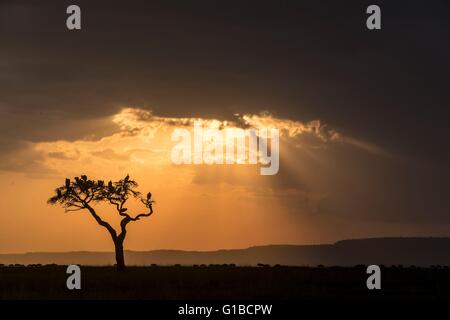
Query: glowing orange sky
point(197, 206)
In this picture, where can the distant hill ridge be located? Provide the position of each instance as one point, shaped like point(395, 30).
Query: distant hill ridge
point(419, 251)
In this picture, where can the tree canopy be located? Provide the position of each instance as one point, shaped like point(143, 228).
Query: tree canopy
point(82, 192)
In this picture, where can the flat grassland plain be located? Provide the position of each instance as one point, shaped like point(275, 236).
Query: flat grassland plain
point(225, 282)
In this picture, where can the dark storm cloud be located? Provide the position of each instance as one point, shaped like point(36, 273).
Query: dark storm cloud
point(19, 156)
point(301, 60)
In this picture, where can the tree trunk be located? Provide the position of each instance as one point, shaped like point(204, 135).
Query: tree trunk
point(120, 260)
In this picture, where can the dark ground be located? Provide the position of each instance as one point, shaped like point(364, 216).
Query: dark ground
point(224, 282)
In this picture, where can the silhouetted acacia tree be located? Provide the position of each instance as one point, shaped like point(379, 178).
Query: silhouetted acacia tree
point(82, 193)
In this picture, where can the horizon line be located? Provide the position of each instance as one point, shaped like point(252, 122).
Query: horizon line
point(230, 249)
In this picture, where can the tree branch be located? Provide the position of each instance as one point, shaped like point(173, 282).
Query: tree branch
point(128, 219)
point(102, 222)
point(79, 194)
point(142, 215)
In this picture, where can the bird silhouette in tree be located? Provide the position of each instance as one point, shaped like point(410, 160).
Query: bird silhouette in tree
point(83, 193)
